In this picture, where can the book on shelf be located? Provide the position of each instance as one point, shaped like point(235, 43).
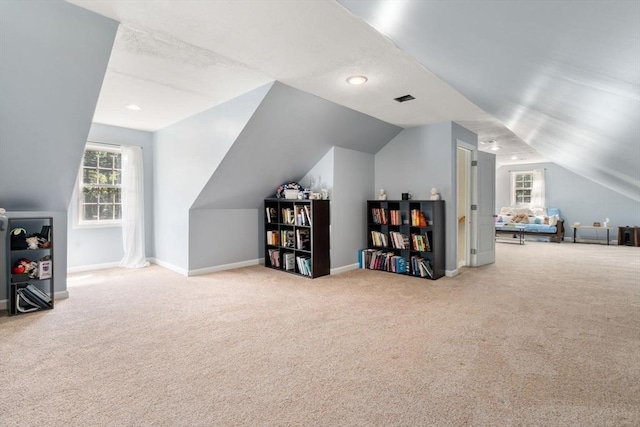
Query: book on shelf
point(396, 217)
point(421, 267)
point(289, 261)
point(274, 257)
point(307, 211)
point(379, 216)
point(379, 239)
point(288, 238)
point(271, 214)
point(273, 238)
point(288, 216)
point(421, 242)
point(399, 240)
point(304, 265)
point(303, 239)
point(418, 219)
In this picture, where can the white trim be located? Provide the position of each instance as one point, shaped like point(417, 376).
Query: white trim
point(168, 266)
point(91, 267)
point(224, 267)
point(344, 268)
point(451, 273)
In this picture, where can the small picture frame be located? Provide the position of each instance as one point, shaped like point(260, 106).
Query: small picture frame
point(44, 269)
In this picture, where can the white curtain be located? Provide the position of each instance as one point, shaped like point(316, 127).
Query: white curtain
point(537, 194)
point(133, 209)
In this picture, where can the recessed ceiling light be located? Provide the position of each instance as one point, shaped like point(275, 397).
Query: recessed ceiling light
point(495, 148)
point(514, 157)
point(357, 80)
point(493, 141)
point(134, 107)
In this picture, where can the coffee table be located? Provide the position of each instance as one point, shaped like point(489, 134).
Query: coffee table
point(513, 229)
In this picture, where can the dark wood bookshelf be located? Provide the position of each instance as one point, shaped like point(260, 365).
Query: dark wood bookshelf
point(310, 217)
point(419, 230)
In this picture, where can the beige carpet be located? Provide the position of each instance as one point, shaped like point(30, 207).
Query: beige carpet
point(547, 336)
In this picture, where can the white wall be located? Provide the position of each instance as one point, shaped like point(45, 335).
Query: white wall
point(579, 199)
point(94, 247)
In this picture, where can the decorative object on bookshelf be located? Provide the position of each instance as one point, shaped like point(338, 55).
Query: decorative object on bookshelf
point(596, 224)
point(324, 193)
point(302, 227)
point(406, 196)
point(282, 190)
point(382, 195)
point(434, 194)
point(405, 236)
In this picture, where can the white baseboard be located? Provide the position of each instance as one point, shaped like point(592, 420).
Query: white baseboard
point(451, 273)
point(4, 304)
point(223, 267)
point(91, 267)
point(168, 266)
point(344, 268)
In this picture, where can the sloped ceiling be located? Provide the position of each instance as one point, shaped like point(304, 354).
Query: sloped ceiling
point(53, 58)
point(288, 133)
point(564, 76)
point(547, 80)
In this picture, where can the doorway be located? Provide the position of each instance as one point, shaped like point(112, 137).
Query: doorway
point(463, 205)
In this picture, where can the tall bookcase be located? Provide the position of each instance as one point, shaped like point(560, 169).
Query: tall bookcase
point(29, 264)
point(406, 237)
point(296, 235)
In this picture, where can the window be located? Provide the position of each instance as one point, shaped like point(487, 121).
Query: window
point(523, 188)
point(527, 188)
point(100, 186)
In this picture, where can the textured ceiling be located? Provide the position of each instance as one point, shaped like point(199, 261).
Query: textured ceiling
point(560, 75)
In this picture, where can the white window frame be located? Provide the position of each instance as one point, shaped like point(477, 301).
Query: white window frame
point(514, 197)
point(80, 222)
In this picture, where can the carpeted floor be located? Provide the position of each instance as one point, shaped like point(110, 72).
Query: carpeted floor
point(549, 335)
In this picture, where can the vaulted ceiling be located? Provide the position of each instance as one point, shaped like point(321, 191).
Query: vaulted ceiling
point(553, 80)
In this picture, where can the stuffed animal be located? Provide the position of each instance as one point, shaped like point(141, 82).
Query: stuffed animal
point(520, 218)
point(32, 242)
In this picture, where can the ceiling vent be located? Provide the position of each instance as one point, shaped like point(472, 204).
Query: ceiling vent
point(404, 98)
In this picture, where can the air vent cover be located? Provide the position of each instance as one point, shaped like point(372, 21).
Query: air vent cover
point(404, 98)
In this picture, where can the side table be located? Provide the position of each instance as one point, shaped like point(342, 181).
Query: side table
point(575, 229)
point(629, 236)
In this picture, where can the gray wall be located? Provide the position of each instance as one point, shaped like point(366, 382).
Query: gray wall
point(83, 241)
point(289, 132)
point(579, 199)
point(54, 56)
point(353, 179)
point(219, 237)
point(419, 159)
point(186, 154)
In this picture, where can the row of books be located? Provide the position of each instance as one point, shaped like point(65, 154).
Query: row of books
point(380, 216)
point(30, 298)
point(418, 219)
point(298, 215)
point(274, 257)
point(304, 265)
point(380, 260)
point(300, 239)
point(418, 242)
point(272, 215)
point(421, 267)
point(273, 238)
point(399, 240)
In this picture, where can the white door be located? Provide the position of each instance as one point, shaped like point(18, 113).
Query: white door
point(483, 199)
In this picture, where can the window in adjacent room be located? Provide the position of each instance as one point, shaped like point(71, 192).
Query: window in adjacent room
point(100, 186)
point(527, 188)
